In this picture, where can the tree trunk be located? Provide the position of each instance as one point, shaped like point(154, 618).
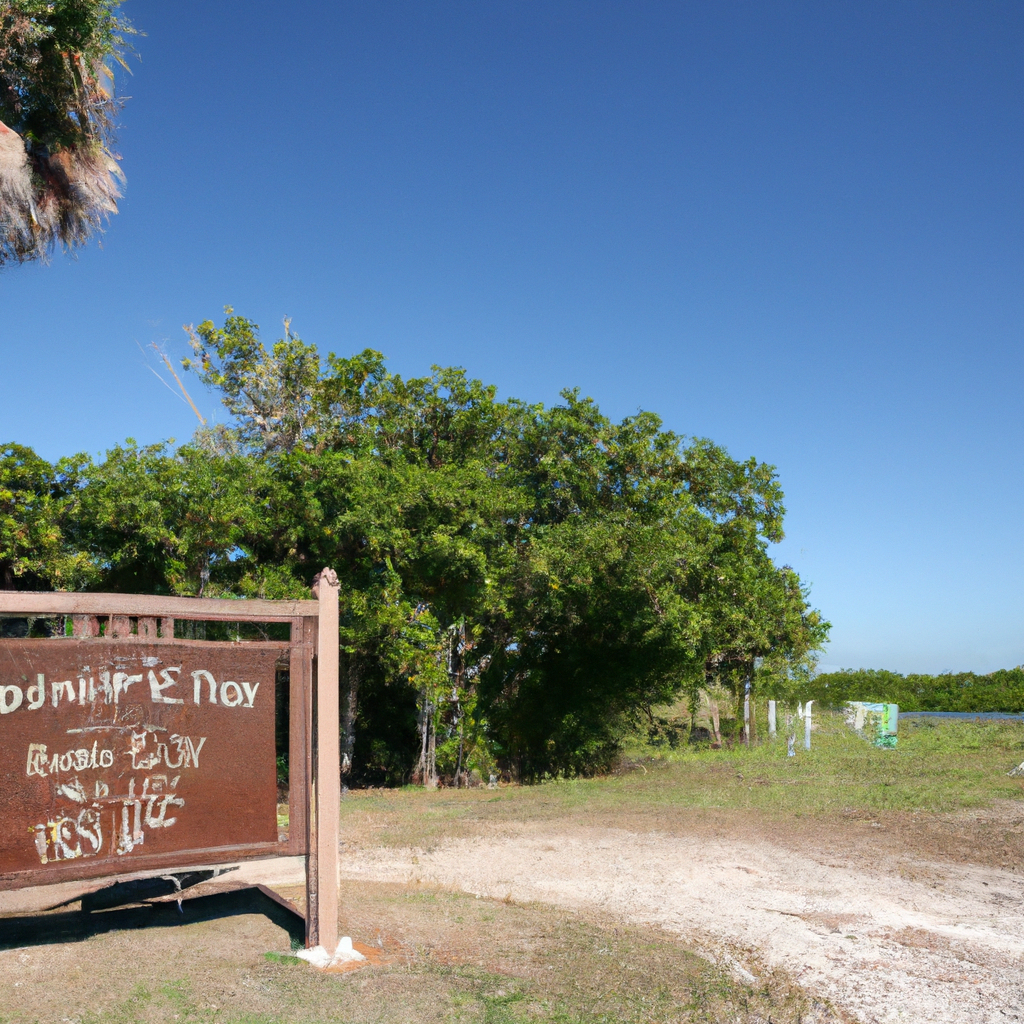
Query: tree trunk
point(431, 776)
point(426, 769)
point(458, 763)
point(455, 668)
point(753, 707)
point(349, 713)
point(419, 776)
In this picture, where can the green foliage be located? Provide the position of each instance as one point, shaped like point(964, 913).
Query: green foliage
point(518, 583)
point(54, 57)
point(952, 691)
point(59, 176)
point(39, 507)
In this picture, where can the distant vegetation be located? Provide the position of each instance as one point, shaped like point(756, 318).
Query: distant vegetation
point(520, 584)
point(939, 766)
point(951, 691)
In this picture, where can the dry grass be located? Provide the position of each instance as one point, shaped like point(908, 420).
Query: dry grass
point(453, 958)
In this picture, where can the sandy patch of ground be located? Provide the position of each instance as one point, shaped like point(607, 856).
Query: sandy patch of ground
point(893, 920)
point(439, 955)
point(932, 942)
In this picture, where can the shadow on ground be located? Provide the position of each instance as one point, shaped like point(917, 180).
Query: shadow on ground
point(76, 926)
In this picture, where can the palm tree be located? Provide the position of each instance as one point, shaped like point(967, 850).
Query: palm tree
point(59, 178)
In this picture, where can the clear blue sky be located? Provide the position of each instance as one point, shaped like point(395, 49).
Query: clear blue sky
point(795, 228)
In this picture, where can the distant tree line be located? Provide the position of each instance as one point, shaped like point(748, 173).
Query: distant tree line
point(520, 584)
point(951, 691)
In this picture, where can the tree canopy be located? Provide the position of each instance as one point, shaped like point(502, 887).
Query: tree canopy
point(519, 582)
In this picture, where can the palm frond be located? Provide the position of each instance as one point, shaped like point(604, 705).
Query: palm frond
point(59, 176)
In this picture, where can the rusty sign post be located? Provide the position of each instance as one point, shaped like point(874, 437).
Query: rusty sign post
point(126, 747)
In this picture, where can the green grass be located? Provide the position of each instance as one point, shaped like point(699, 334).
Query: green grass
point(937, 767)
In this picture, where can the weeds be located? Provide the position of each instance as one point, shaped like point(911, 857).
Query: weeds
point(938, 767)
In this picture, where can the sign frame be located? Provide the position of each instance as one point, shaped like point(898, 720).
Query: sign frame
point(314, 784)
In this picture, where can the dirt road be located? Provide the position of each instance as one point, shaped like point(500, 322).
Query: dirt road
point(897, 939)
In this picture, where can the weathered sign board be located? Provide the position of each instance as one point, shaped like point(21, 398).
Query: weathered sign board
point(111, 750)
point(125, 749)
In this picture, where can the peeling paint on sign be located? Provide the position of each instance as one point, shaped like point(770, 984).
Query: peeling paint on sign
point(109, 749)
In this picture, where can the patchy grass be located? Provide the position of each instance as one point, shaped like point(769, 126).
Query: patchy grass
point(453, 958)
point(938, 768)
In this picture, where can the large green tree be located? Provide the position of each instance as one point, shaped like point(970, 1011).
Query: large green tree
point(519, 583)
point(537, 575)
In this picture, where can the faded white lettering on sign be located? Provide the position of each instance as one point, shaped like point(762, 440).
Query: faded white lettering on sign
point(185, 754)
point(61, 837)
point(231, 693)
point(40, 762)
point(156, 791)
point(156, 688)
point(69, 836)
point(10, 699)
point(109, 688)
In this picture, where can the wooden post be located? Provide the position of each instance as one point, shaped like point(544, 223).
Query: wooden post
point(84, 625)
point(323, 863)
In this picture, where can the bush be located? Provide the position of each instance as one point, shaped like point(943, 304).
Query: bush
point(1002, 690)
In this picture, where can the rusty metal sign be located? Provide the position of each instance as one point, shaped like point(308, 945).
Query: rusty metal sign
point(111, 752)
point(124, 750)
